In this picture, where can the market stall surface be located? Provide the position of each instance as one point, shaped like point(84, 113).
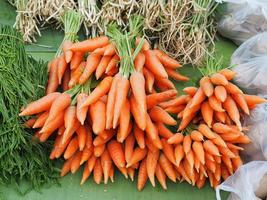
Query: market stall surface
point(69, 187)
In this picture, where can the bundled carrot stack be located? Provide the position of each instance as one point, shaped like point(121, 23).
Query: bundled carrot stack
point(108, 115)
point(210, 130)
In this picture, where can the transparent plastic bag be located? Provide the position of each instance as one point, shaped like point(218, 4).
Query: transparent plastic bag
point(257, 132)
point(247, 183)
point(243, 19)
point(250, 64)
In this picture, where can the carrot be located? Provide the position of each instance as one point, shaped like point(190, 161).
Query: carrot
point(75, 163)
point(229, 74)
point(167, 61)
point(198, 98)
point(224, 172)
point(190, 158)
point(58, 105)
point(90, 44)
point(61, 147)
point(163, 130)
point(86, 154)
point(217, 159)
point(68, 134)
point(81, 133)
point(136, 114)
point(220, 93)
point(232, 89)
point(86, 173)
point(211, 166)
point(150, 79)
point(185, 121)
point(200, 182)
point(207, 113)
point(139, 137)
point(66, 167)
point(29, 123)
point(41, 105)
point(81, 112)
point(229, 137)
point(152, 160)
point(232, 110)
point(139, 61)
point(122, 88)
point(196, 136)
point(227, 152)
point(236, 162)
point(191, 91)
point(208, 156)
point(100, 140)
point(215, 104)
point(176, 75)
point(220, 116)
point(76, 59)
point(98, 171)
point(61, 67)
point(98, 116)
point(52, 83)
point(181, 170)
point(178, 154)
point(137, 155)
point(111, 173)
point(157, 142)
point(130, 172)
point(51, 127)
point(167, 167)
point(66, 80)
point(211, 148)
point(91, 163)
point(253, 99)
point(154, 99)
point(98, 92)
point(69, 118)
point(100, 51)
point(168, 151)
point(98, 150)
point(180, 100)
point(77, 74)
point(175, 109)
point(188, 171)
point(145, 46)
point(116, 152)
point(106, 164)
point(242, 139)
point(129, 147)
point(112, 63)
point(228, 163)
point(89, 139)
point(234, 147)
point(199, 151)
point(153, 63)
point(142, 175)
point(219, 141)
point(92, 62)
point(161, 176)
point(66, 52)
point(197, 163)
point(241, 102)
point(206, 131)
point(206, 86)
point(151, 129)
point(218, 79)
point(101, 68)
point(40, 121)
point(222, 128)
point(177, 138)
point(188, 111)
point(72, 148)
point(157, 114)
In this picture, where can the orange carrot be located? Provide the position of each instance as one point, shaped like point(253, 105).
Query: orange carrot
point(185, 121)
point(90, 44)
point(100, 140)
point(101, 68)
point(98, 171)
point(110, 50)
point(137, 113)
point(91, 163)
point(139, 137)
point(149, 77)
point(181, 170)
point(41, 105)
point(161, 176)
point(176, 75)
point(253, 100)
point(157, 114)
point(154, 99)
point(199, 151)
point(129, 147)
point(98, 92)
point(152, 160)
point(215, 104)
point(151, 129)
point(175, 102)
point(92, 62)
point(241, 102)
point(68, 134)
point(242, 139)
point(164, 83)
point(229, 74)
point(122, 88)
point(66, 167)
point(40, 121)
point(77, 74)
point(76, 59)
point(116, 152)
point(86, 154)
point(61, 68)
point(89, 139)
point(220, 116)
point(177, 138)
point(52, 83)
point(66, 80)
point(211, 166)
point(175, 109)
point(232, 110)
point(137, 155)
point(198, 98)
point(226, 152)
point(163, 130)
point(207, 113)
point(98, 116)
point(139, 61)
point(75, 163)
point(124, 121)
point(106, 164)
point(191, 91)
point(167, 167)
point(145, 46)
point(112, 63)
point(200, 182)
point(29, 123)
point(206, 131)
point(81, 112)
point(227, 161)
point(168, 151)
point(196, 136)
point(211, 148)
point(220, 93)
point(81, 133)
point(218, 79)
point(206, 86)
point(98, 150)
point(61, 147)
point(222, 128)
point(72, 148)
point(67, 53)
point(224, 172)
point(130, 172)
point(167, 61)
point(178, 153)
point(232, 89)
point(190, 158)
point(219, 141)
point(86, 173)
point(153, 63)
point(111, 173)
point(69, 118)
point(142, 175)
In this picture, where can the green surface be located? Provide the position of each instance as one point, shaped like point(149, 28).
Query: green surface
point(121, 189)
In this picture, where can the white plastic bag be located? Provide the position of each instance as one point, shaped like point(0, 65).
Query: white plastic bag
point(243, 19)
point(250, 64)
point(248, 179)
point(257, 125)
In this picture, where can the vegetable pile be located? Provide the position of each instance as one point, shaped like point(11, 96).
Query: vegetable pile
point(21, 81)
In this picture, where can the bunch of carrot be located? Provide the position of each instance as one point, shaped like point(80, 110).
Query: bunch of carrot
point(210, 131)
point(120, 122)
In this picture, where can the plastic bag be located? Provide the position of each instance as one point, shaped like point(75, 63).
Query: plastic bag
point(247, 180)
point(250, 64)
point(243, 19)
point(257, 125)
